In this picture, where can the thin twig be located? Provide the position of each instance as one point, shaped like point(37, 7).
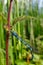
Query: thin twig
point(7, 34)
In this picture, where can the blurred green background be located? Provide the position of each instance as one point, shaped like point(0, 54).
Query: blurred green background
point(26, 19)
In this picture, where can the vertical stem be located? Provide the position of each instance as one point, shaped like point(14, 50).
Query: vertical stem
point(21, 24)
point(18, 25)
point(31, 34)
point(9, 13)
point(7, 34)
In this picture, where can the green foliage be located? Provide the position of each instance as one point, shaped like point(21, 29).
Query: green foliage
point(21, 17)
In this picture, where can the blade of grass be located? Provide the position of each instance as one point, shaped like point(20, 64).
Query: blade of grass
point(18, 24)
